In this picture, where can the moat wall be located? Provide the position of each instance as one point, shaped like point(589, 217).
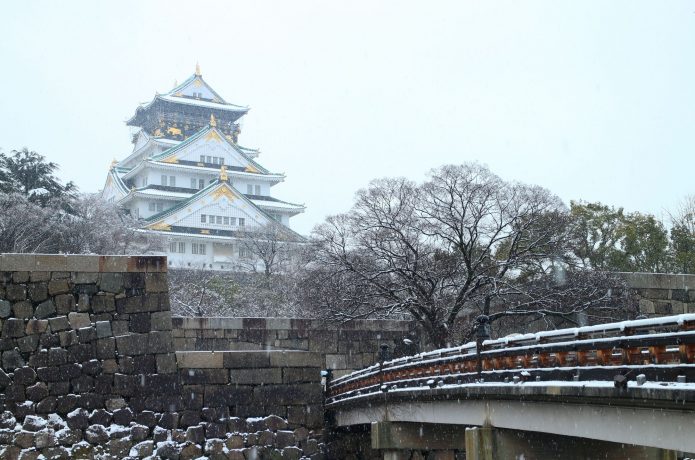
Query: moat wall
point(341, 347)
point(86, 343)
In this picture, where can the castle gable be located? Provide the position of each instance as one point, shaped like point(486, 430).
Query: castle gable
point(217, 207)
point(210, 146)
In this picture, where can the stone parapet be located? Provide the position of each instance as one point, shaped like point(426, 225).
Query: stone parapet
point(82, 263)
point(661, 294)
point(341, 347)
point(254, 383)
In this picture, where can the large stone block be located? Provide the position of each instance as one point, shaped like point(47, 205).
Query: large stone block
point(23, 310)
point(246, 359)
point(295, 359)
point(166, 363)
point(203, 376)
point(28, 344)
point(302, 393)
point(15, 292)
point(111, 282)
point(161, 321)
point(132, 345)
point(18, 262)
point(58, 286)
point(51, 262)
point(103, 303)
point(255, 376)
point(301, 375)
point(199, 359)
point(36, 326)
point(38, 292)
point(156, 282)
point(13, 328)
point(45, 309)
point(5, 308)
point(226, 395)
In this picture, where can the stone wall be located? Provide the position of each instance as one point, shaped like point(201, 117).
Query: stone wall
point(662, 294)
point(84, 332)
point(88, 370)
point(252, 384)
point(343, 348)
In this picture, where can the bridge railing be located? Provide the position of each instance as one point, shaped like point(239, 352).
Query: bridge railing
point(663, 348)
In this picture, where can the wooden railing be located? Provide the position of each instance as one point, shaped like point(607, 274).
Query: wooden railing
point(663, 348)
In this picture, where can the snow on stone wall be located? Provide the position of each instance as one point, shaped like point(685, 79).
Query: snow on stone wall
point(88, 369)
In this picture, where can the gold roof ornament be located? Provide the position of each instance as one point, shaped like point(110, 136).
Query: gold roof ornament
point(197, 69)
point(223, 174)
point(213, 122)
point(113, 163)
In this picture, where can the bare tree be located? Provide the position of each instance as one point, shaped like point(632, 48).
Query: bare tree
point(25, 226)
point(682, 244)
point(201, 292)
point(204, 293)
point(85, 224)
point(95, 226)
point(463, 242)
point(269, 249)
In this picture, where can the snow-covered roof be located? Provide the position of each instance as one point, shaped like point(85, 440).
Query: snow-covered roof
point(279, 205)
point(274, 178)
point(211, 188)
point(203, 132)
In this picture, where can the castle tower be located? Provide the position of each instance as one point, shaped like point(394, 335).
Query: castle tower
point(189, 179)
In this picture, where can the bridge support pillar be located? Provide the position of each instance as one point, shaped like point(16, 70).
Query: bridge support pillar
point(489, 443)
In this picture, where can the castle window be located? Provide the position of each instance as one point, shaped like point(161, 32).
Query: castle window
point(182, 247)
point(243, 253)
point(221, 160)
point(249, 189)
point(242, 221)
point(194, 182)
point(160, 207)
point(258, 190)
point(226, 220)
point(172, 181)
point(232, 220)
point(151, 206)
point(209, 158)
point(202, 158)
point(194, 248)
point(202, 218)
point(172, 246)
point(219, 220)
point(164, 180)
point(214, 160)
point(201, 183)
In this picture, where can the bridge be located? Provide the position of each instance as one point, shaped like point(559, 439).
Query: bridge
point(617, 390)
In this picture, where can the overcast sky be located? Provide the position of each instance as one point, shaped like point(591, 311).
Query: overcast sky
point(593, 100)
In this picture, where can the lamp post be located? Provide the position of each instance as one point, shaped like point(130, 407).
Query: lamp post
point(482, 333)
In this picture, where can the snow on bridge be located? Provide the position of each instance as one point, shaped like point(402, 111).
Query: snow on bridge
point(630, 382)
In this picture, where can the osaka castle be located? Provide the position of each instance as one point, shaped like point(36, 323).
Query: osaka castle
point(188, 179)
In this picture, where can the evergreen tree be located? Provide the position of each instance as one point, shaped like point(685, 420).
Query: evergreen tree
point(28, 173)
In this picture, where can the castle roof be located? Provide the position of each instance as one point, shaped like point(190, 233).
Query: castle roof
point(190, 93)
point(218, 188)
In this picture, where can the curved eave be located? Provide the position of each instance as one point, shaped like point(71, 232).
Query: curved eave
point(144, 164)
point(269, 206)
point(209, 105)
point(120, 185)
